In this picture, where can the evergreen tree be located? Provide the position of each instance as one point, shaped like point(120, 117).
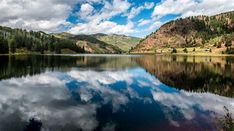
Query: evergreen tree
point(3, 46)
point(185, 50)
point(12, 46)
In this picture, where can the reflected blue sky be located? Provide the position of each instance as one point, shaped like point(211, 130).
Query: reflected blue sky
point(128, 98)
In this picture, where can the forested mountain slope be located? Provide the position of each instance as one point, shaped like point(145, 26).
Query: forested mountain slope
point(23, 41)
point(18, 40)
point(198, 31)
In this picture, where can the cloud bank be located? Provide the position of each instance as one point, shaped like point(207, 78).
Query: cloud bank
point(103, 16)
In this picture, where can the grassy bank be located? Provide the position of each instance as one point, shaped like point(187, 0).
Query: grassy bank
point(192, 51)
point(27, 52)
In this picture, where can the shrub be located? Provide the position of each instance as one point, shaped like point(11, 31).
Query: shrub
point(174, 50)
point(185, 50)
point(227, 122)
point(219, 45)
point(230, 50)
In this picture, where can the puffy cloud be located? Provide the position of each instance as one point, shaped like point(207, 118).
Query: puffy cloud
point(108, 10)
point(184, 8)
point(114, 8)
point(154, 25)
point(98, 21)
point(52, 15)
point(151, 24)
point(192, 7)
point(86, 10)
point(143, 22)
point(46, 15)
point(108, 27)
point(136, 10)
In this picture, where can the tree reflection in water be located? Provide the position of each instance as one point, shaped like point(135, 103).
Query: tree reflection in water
point(33, 125)
point(199, 74)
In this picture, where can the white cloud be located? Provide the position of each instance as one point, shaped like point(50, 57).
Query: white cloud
point(108, 27)
point(51, 15)
point(136, 10)
point(184, 8)
point(45, 15)
point(97, 21)
point(86, 10)
point(154, 25)
point(109, 9)
point(150, 24)
point(35, 14)
point(143, 22)
point(149, 5)
point(192, 7)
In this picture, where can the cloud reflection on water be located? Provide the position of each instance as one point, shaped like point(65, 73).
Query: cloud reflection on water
point(70, 100)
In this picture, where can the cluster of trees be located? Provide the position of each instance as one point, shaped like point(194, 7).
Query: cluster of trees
point(228, 41)
point(216, 26)
point(13, 39)
point(4, 48)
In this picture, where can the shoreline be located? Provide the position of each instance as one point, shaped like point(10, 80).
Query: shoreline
point(185, 54)
point(126, 54)
point(78, 54)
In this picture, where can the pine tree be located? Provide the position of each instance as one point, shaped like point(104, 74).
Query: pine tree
point(12, 46)
point(3, 46)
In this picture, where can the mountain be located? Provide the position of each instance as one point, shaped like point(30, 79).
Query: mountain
point(102, 43)
point(90, 44)
point(211, 32)
point(21, 41)
point(125, 43)
point(93, 45)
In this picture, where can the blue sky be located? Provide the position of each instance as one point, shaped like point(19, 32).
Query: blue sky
point(129, 17)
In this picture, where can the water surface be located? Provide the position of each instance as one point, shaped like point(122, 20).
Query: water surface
point(123, 93)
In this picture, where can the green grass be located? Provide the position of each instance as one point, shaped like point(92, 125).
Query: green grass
point(192, 51)
point(125, 43)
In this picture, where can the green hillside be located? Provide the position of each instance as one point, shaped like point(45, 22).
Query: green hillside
point(90, 44)
point(102, 43)
point(21, 41)
point(125, 43)
point(94, 45)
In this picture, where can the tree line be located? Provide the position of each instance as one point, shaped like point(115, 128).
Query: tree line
point(13, 39)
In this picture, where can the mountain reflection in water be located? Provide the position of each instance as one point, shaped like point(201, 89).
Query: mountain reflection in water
point(114, 93)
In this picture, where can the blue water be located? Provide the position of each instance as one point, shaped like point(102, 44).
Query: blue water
point(104, 97)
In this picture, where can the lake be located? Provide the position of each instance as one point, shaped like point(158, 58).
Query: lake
point(114, 92)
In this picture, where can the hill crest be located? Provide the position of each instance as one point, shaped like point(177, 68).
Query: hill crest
point(195, 31)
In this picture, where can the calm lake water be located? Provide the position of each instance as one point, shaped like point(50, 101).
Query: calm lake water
point(123, 93)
